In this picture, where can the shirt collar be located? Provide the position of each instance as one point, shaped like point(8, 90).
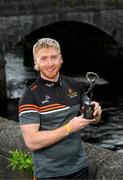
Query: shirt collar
point(51, 83)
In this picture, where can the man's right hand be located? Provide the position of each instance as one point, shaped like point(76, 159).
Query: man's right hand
point(78, 123)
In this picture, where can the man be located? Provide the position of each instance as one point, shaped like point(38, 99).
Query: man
point(49, 117)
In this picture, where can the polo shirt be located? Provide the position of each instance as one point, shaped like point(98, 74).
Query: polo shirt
point(52, 105)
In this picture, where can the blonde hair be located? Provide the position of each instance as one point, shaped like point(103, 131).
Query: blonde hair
point(44, 43)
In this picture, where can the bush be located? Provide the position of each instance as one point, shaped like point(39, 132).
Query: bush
point(21, 161)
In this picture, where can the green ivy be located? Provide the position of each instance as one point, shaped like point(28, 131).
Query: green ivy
point(21, 161)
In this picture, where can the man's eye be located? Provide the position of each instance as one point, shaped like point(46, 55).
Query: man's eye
point(54, 57)
point(42, 58)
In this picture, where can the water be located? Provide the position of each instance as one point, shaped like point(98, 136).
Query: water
point(108, 133)
point(17, 75)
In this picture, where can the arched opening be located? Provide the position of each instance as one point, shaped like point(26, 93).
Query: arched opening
point(84, 48)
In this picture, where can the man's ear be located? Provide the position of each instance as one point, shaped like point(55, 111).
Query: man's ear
point(61, 59)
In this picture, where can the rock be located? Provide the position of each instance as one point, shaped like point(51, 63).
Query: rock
point(10, 137)
point(106, 163)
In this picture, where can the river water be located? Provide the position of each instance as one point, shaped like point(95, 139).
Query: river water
point(108, 133)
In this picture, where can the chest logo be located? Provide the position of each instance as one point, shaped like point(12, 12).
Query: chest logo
point(71, 93)
point(46, 100)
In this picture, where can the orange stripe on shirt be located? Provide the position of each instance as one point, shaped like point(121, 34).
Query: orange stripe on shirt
point(41, 109)
point(28, 105)
point(52, 108)
point(51, 105)
point(23, 109)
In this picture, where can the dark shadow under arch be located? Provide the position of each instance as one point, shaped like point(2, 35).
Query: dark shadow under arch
point(84, 48)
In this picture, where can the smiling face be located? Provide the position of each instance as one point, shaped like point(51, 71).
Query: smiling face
point(49, 61)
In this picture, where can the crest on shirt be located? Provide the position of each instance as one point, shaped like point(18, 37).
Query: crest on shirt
point(46, 100)
point(71, 93)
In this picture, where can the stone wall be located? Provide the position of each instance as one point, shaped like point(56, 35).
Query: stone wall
point(27, 7)
point(19, 18)
point(108, 164)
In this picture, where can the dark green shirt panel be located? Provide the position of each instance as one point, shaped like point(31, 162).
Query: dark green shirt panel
point(28, 109)
point(58, 118)
point(27, 98)
point(65, 157)
point(29, 118)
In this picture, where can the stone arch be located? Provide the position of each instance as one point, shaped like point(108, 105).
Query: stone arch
point(84, 48)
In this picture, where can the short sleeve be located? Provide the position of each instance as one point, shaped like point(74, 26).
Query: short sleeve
point(28, 109)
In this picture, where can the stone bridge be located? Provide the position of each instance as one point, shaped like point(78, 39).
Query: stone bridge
point(20, 18)
point(90, 27)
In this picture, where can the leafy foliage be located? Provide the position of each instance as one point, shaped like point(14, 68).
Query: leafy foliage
point(21, 161)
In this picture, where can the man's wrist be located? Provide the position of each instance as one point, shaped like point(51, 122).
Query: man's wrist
point(68, 128)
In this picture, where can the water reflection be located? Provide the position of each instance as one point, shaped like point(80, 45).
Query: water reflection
point(108, 133)
point(17, 75)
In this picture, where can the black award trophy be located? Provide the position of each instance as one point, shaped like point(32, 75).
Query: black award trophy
point(88, 105)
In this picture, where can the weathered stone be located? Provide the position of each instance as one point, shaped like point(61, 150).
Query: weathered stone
point(10, 137)
point(20, 18)
point(108, 164)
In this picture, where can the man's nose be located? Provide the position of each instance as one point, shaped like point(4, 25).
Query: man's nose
point(50, 62)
